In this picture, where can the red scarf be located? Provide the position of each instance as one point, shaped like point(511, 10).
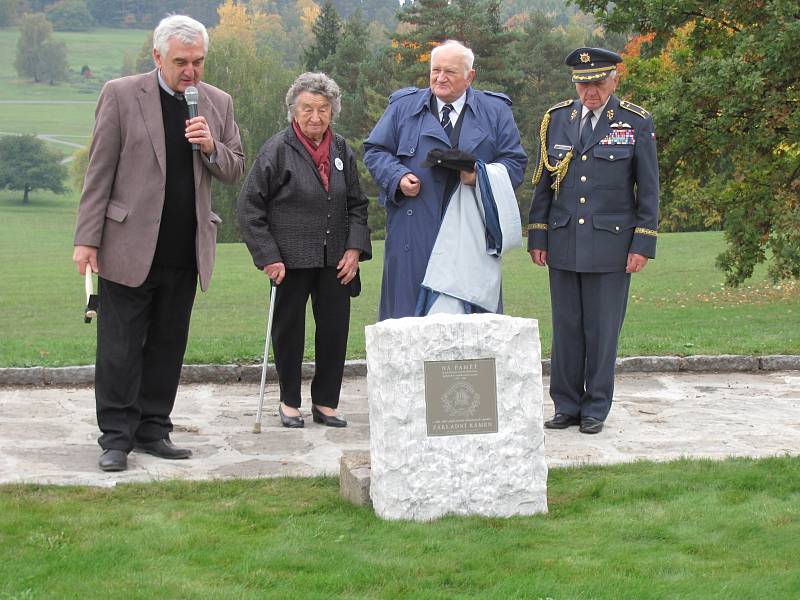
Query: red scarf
point(321, 155)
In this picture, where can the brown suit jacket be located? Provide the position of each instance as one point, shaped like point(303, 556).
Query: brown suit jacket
point(123, 192)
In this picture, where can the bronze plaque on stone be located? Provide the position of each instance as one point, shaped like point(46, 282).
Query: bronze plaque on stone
point(461, 396)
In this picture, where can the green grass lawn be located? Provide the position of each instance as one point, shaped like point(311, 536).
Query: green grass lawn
point(73, 121)
point(681, 530)
point(678, 304)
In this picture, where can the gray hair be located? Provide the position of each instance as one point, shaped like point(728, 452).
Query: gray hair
point(184, 28)
point(314, 83)
point(466, 53)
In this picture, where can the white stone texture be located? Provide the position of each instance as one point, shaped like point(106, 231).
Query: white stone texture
point(417, 477)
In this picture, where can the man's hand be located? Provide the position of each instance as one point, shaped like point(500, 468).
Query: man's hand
point(469, 177)
point(348, 266)
point(636, 263)
point(275, 271)
point(197, 132)
point(409, 185)
point(85, 255)
point(539, 257)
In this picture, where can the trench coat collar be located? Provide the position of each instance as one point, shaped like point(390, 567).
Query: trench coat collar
point(472, 133)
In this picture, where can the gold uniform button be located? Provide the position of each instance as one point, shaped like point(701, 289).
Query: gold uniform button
point(581, 221)
point(583, 157)
point(583, 200)
point(583, 177)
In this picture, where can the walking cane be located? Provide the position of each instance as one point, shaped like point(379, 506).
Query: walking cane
point(257, 425)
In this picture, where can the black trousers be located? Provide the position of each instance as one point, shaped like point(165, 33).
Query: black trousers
point(141, 340)
point(330, 301)
point(588, 311)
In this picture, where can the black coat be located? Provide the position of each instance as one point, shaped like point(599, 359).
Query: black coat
point(285, 214)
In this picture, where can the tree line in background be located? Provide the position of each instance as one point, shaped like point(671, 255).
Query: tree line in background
point(722, 82)
point(718, 78)
point(255, 57)
point(82, 15)
point(369, 64)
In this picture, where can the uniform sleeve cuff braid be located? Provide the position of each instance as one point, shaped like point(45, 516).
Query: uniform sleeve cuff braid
point(645, 231)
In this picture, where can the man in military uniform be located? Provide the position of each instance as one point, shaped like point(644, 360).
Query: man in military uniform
point(593, 221)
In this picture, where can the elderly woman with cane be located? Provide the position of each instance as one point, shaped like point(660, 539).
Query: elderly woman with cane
point(304, 219)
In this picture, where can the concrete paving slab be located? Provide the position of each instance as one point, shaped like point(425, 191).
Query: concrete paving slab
point(48, 434)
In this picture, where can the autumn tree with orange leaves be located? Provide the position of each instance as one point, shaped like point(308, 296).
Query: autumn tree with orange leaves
point(257, 80)
point(722, 82)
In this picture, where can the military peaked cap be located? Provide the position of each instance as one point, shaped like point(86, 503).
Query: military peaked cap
point(591, 64)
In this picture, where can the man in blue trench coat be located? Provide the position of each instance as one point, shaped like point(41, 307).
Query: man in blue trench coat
point(449, 114)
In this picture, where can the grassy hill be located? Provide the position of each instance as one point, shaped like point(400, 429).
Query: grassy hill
point(65, 110)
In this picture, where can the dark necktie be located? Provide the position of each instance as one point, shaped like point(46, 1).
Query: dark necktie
point(448, 126)
point(588, 128)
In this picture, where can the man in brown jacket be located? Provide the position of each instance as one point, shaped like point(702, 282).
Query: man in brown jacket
point(146, 228)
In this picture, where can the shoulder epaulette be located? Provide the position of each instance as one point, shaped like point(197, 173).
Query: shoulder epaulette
point(500, 95)
point(633, 108)
point(401, 93)
point(560, 105)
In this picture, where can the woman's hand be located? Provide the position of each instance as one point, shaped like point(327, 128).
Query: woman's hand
point(348, 266)
point(275, 271)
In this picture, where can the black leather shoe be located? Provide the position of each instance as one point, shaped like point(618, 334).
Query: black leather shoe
point(561, 421)
point(319, 417)
point(591, 425)
point(113, 460)
point(291, 422)
point(162, 449)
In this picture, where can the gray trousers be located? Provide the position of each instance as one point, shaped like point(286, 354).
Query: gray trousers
point(588, 311)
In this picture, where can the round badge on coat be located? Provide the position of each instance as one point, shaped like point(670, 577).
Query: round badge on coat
point(339, 164)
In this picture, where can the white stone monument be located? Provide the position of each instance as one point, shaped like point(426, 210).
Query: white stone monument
point(419, 473)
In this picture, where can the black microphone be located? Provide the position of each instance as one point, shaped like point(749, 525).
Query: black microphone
point(191, 95)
